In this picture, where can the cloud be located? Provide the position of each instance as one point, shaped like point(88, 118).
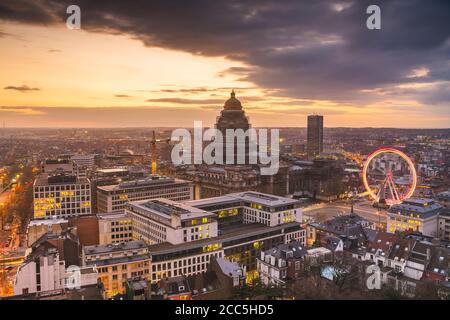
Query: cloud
point(300, 49)
point(28, 111)
point(4, 34)
point(186, 101)
point(122, 96)
point(22, 88)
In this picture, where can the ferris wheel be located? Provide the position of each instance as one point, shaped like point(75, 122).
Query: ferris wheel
point(385, 185)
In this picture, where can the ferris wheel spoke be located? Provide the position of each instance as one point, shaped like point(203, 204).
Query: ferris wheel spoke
point(388, 182)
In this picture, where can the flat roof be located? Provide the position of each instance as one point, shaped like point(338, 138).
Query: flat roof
point(251, 196)
point(42, 180)
point(234, 233)
point(421, 206)
point(111, 170)
point(111, 215)
point(166, 208)
point(142, 183)
point(47, 222)
point(105, 248)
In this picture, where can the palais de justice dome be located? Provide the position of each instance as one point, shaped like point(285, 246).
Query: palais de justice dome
point(232, 116)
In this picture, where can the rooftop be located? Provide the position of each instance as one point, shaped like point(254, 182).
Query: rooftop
point(107, 248)
point(167, 208)
point(281, 251)
point(251, 196)
point(443, 195)
point(233, 233)
point(421, 206)
point(230, 268)
point(47, 222)
point(112, 216)
point(142, 183)
point(46, 179)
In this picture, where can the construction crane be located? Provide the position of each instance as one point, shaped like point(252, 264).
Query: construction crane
point(154, 150)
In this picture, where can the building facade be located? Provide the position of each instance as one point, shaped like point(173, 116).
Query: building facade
point(114, 228)
point(414, 214)
point(314, 135)
point(114, 197)
point(163, 220)
point(116, 263)
point(61, 196)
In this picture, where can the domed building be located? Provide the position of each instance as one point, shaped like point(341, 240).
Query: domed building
point(233, 117)
point(218, 180)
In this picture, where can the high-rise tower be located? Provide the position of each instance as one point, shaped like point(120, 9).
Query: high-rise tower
point(315, 135)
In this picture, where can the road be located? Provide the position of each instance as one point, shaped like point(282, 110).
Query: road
point(325, 211)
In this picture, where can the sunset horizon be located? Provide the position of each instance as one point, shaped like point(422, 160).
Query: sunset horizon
point(54, 76)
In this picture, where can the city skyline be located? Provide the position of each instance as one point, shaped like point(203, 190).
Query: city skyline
point(139, 68)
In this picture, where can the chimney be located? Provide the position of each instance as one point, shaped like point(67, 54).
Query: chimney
point(428, 253)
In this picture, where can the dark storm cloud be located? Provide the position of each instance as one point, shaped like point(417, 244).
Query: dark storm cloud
point(304, 49)
point(38, 12)
point(23, 88)
point(186, 101)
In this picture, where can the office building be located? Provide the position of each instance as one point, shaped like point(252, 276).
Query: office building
point(61, 196)
point(116, 263)
point(114, 228)
point(314, 135)
point(252, 207)
point(59, 166)
point(241, 244)
point(163, 220)
point(112, 198)
point(414, 214)
point(84, 160)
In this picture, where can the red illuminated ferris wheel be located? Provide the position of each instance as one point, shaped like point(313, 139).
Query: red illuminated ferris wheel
point(386, 186)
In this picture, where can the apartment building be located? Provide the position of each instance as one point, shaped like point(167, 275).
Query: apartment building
point(163, 220)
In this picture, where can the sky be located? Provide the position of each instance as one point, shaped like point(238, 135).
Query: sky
point(170, 63)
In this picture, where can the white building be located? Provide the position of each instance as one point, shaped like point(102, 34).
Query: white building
point(163, 220)
point(61, 196)
point(114, 197)
point(114, 228)
point(414, 214)
point(253, 207)
point(46, 272)
point(84, 160)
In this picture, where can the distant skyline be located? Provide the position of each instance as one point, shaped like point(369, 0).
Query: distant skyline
point(168, 64)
